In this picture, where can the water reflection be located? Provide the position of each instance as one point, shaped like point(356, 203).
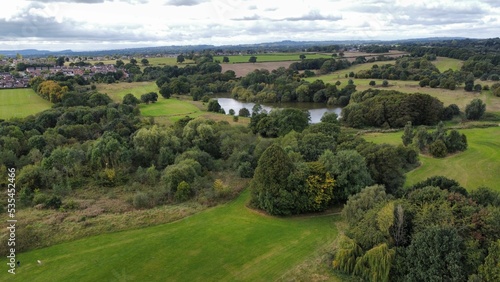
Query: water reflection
point(315, 110)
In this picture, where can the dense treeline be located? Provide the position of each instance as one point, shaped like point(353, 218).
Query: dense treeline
point(317, 158)
point(389, 109)
point(375, 48)
point(435, 230)
point(480, 55)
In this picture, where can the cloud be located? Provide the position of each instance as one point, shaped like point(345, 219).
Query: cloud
point(255, 17)
point(72, 1)
point(184, 2)
point(437, 15)
point(313, 15)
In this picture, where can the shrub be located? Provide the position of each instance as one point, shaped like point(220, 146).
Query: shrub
point(141, 200)
point(475, 109)
point(438, 149)
point(183, 192)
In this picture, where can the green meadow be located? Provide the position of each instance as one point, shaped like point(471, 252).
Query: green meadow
point(272, 57)
point(19, 103)
point(117, 91)
point(478, 166)
point(444, 64)
point(227, 243)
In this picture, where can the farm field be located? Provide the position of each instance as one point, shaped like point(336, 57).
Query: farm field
point(153, 61)
point(272, 57)
point(19, 103)
point(246, 68)
point(458, 96)
point(225, 243)
point(477, 166)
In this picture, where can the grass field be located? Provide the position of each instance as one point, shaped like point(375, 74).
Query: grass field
point(458, 96)
point(478, 166)
point(154, 61)
point(274, 57)
point(117, 91)
point(444, 64)
point(19, 103)
point(225, 243)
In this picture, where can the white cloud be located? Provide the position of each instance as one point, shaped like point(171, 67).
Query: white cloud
point(98, 24)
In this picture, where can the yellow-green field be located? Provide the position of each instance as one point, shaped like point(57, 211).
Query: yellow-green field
point(478, 166)
point(19, 103)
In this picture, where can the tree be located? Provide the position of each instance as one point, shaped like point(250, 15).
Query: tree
point(385, 83)
point(180, 59)
point(302, 56)
point(252, 59)
point(119, 64)
point(269, 184)
point(165, 91)
point(475, 109)
point(133, 61)
point(243, 112)
point(231, 112)
point(372, 83)
point(149, 97)
point(225, 59)
point(435, 255)
point(214, 106)
point(438, 149)
point(130, 99)
point(490, 270)
point(145, 62)
point(407, 134)
point(348, 168)
point(360, 203)
point(60, 61)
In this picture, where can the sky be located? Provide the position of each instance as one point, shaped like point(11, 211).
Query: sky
point(114, 24)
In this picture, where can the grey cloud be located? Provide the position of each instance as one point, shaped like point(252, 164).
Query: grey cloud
point(313, 16)
point(184, 2)
point(252, 7)
point(72, 1)
point(249, 18)
point(49, 29)
point(436, 15)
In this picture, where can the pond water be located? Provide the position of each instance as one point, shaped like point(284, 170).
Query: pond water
point(315, 110)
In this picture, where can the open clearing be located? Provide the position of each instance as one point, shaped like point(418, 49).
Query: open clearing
point(19, 103)
point(478, 166)
point(225, 243)
point(444, 64)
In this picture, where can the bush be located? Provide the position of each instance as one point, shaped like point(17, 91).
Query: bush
point(183, 192)
point(53, 202)
point(438, 149)
point(475, 109)
point(141, 201)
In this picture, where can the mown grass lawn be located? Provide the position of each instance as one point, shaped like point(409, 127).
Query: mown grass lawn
point(19, 103)
point(225, 243)
point(478, 166)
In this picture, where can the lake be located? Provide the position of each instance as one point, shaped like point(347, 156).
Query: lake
point(315, 110)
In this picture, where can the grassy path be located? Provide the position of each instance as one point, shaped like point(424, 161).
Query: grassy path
point(226, 243)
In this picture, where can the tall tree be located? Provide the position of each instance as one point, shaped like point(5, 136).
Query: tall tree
point(435, 254)
point(269, 185)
